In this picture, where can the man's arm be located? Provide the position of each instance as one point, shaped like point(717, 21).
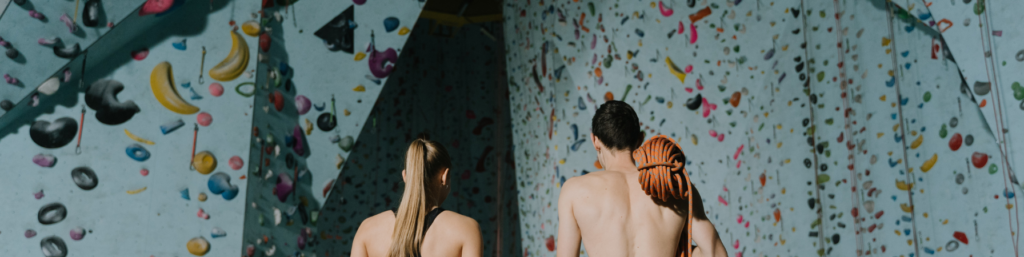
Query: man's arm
point(704, 233)
point(568, 231)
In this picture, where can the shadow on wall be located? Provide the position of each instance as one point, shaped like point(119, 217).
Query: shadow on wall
point(459, 100)
point(109, 53)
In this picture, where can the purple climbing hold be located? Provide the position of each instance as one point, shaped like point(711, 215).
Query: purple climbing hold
point(44, 160)
point(298, 147)
point(30, 233)
point(284, 187)
point(302, 104)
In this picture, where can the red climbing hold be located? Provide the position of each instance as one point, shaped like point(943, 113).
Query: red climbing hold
point(855, 212)
point(960, 236)
point(551, 243)
point(955, 141)
point(265, 42)
point(155, 6)
point(979, 159)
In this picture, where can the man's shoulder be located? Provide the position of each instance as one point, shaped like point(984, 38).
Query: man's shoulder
point(597, 179)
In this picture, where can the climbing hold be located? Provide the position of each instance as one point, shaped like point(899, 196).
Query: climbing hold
point(309, 127)
point(144, 172)
point(140, 54)
point(35, 14)
point(48, 41)
point(982, 88)
point(54, 134)
point(204, 119)
point(968, 140)
point(216, 89)
point(979, 159)
point(67, 52)
point(102, 97)
point(49, 86)
point(84, 178)
point(346, 143)
point(68, 22)
point(326, 121)
point(180, 45)
point(265, 42)
point(220, 184)
point(735, 99)
point(6, 105)
point(277, 99)
point(161, 81)
point(52, 246)
point(359, 56)
point(928, 164)
point(382, 63)
point(674, 70)
point(10, 80)
point(137, 152)
point(77, 233)
point(137, 138)
point(30, 233)
point(202, 197)
point(155, 7)
point(235, 63)
point(38, 195)
point(44, 160)
point(302, 104)
point(217, 232)
point(251, 28)
point(198, 246)
point(955, 141)
point(284, 187)
point(390, 24)
point(202, 214)
point(171, 126)
point(235, 162)
point(52, 213)
point(204, 162)
point(184, 194)
point(11, 53)
point(359, 88)
point(238, 89)
point(694, 103)
point(402, 31)
point(917, 142)
point(960, 236)
point(297, 136)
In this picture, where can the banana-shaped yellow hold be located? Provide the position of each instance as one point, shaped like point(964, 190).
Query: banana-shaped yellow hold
point(675, 70)
point(903, 185)
point(161, 80)
point(929, 163)
point(235, 63)
point(917, 142)
point(137, 138)
point(906, 208)
point(136, 191)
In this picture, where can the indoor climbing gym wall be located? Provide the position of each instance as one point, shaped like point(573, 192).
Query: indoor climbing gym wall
point(322, 66)
point(463, 107)
point(836, 128)
point(101, 144)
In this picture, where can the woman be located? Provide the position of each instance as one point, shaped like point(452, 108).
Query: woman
point(420, 227)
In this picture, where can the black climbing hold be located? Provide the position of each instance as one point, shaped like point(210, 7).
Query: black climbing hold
point(959, 178)
point(53, 134)
point(289, 161)
point(824, 167)
point(102, 97)
point(835, 238)
point(7, 105)
point(53, 247)
point(12, 53)
point(953, 122)
point(67, 52)
point(84, 177)
point(52, 213)
point(814, 99)
point(19, 2)
point(810, 203)
point(91, 13)
point(694, 102)
point(969, 140)
point(326, 121)
point(807, 162)
point(806, 121)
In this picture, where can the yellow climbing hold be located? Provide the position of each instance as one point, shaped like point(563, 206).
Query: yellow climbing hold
point(137, 138)
point(309, 127)
point(882, 98)
point(347, 113)
point(136, 191)
point(202, 197)
point(917, 142)
point(360, 56)
point(251, 28)
point(403, 31)
point(359, 88)
point(198, 246)
point(204, 162)
point(885, 41)
point(906, 208)
point(669, 104)
point(929, 163)
point(903, 185)
point(880, 134)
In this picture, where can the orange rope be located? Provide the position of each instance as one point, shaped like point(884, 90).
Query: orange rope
point(660, 161)
point(81, 124)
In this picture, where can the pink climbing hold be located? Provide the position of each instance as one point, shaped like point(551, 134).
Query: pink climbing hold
point(722, 200)
point(298, 147)
point(235, 162)
point(699, 85)
point(738, 151)
point(38, 195)
point(77, 233)
point(302, 104)
point(68, 22)
point(688, 69)
point(10, 80)
point(721, 137)
point(284, 187)
point(359, 2)
point(204, 119)
point(35, 14)
point(739, 220)
point(44, 160)
point(736, 245)
point(693, 34)
point(681, 28)
point(144, 172)
point(216, 89)
point(155, 6)
point(202, 214)
point(665, 11)
point(713, 133)
point(140, 54)
point(67, 75)
point(30, 233)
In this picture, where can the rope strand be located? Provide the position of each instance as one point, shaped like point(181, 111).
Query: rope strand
point(660, 161)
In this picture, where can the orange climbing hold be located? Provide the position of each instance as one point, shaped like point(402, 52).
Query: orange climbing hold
point(700, 14)
point(735, 99)
point(597, 72)
point(608, 96)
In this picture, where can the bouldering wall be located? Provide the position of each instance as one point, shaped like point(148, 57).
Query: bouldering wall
point(322, 66)
point(129, 189)
point(33, 29)
point(462, 106)
point(834, 128)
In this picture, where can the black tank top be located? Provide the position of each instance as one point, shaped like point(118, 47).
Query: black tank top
point(429, 218)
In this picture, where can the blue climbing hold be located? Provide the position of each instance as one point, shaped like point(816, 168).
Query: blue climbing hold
point(220, 184)
point(195, 96)
point(925, 16)
point(891, 82)
point(136, 152)
point(576, 146)
point(390, 24)
point(581, 104)
point(1008, 194)
point(905, 53)
point(892, 163)
point(184, 194)
point(180, 45)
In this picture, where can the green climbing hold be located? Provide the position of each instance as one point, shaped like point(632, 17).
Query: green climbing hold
point(821, 76)
point(979, 7)
point(992, 169)
point(942, 131)
point(829, 121)
point(591, 6)
point(821, 13)
point(1018, 91)
point(927, 96)
point(823, 178)
point(736, 49)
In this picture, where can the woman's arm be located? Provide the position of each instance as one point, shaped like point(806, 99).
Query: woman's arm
point(472, 246)
point(358, 245)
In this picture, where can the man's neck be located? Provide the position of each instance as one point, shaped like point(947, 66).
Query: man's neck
point(621, 160)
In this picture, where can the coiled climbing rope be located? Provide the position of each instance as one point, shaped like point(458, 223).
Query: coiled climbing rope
point(660, 161)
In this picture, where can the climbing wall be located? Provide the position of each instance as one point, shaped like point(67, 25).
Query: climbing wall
point(116, 180)
point(463, 107)
point(31, 31)
point(810, 127)
point(323, 65)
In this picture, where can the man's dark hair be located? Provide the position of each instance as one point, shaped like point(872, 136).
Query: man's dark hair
point(617, 126)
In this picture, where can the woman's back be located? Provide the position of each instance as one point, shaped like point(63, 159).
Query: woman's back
point(450, 235)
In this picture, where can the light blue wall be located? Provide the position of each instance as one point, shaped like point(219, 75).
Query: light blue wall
point(156, 221)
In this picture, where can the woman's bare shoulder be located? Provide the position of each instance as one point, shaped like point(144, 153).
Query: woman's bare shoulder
point(385, 219)
point(457, 223)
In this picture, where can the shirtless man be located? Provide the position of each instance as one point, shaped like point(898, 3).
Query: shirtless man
point(610, 212)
